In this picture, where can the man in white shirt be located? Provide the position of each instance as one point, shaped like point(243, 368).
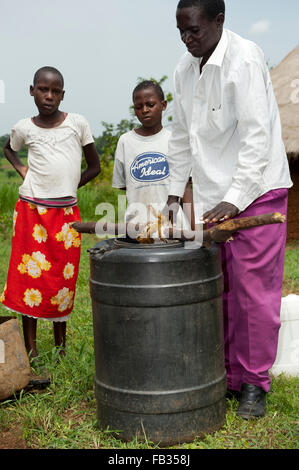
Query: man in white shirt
point(227, 130)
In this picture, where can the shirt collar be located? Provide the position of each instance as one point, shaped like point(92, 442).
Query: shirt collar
point(218, 55)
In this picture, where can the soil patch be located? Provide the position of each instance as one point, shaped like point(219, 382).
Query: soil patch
point(12, 439)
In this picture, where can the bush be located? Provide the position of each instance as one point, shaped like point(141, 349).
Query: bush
point(91, 195)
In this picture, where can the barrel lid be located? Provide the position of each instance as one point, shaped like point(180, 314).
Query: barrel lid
point(134, 245)
point(114, 251)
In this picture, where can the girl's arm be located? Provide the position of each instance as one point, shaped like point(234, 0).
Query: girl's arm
point(93, 164)
point(15, 160)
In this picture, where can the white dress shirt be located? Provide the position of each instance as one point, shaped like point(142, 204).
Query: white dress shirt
point(226, 127)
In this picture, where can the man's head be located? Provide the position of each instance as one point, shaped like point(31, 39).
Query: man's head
point(200, 23)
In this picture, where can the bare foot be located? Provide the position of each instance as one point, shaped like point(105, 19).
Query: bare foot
point(62, 353)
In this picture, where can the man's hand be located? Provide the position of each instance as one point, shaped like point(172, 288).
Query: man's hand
point(222, 211)
point(171, 209)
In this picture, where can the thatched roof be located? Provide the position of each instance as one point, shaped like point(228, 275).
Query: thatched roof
point(285, 78)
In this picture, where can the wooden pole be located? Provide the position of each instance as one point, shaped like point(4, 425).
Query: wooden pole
point(218, 233)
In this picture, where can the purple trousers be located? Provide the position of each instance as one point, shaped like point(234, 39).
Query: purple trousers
point(253, 272)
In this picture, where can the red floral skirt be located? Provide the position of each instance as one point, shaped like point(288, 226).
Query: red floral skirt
point(44, 262)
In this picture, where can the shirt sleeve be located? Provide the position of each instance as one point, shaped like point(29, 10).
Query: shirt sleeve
point(119, 175)
point(86, 135)
point(17, 137)
point(254, 128)
point(179, 152)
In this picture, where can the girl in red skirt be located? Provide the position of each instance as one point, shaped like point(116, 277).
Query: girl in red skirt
point(45, 254)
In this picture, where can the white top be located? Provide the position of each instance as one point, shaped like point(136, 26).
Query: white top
point(54, 156)
point(226, 127)
point(142, 168)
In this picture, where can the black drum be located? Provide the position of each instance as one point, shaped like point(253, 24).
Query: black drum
point(158, 336)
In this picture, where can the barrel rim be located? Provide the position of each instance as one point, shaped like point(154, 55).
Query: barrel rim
point(106, 252)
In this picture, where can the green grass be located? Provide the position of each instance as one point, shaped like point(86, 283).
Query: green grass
point(91, 196)
point(64, 415)
point(8, 197)
point(291, 270)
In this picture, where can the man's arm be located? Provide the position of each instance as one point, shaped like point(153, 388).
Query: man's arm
point(179, 154)
point(93, 164)
point(15, 160)
point(253, 117)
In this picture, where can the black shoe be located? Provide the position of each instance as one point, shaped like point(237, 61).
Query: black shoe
point(252, 402)
point(231, 394)
point(39, 382)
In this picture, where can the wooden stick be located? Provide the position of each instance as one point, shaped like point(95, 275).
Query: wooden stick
point(84, 227)
point(227, 228)
point(219, 233)
point(100, 228)
point(249, 222)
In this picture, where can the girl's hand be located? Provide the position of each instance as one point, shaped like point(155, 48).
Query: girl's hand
point(93, 164)
point(15, 160)
point(23, 171)
point(222, 211)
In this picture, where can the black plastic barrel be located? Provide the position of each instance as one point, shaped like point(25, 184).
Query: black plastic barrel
point(158, 337)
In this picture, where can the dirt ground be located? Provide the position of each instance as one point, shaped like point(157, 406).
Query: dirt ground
point(293, 210)
point(12, 439)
